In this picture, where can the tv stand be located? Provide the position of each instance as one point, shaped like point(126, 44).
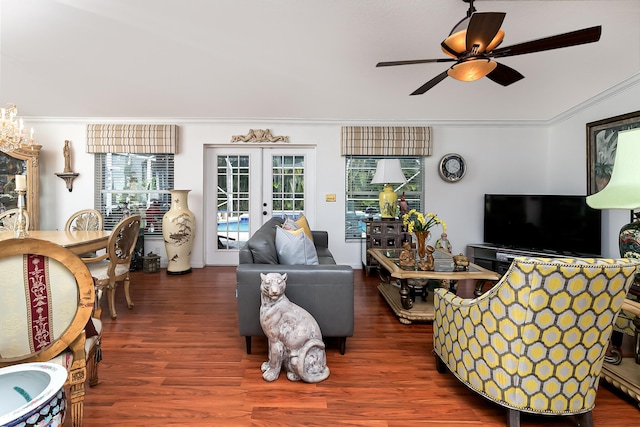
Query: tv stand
point(498, 258)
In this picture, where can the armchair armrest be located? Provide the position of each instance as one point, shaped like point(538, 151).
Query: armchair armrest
point(320, 239)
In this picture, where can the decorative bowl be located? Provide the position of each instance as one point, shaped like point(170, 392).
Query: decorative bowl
point(32, 394)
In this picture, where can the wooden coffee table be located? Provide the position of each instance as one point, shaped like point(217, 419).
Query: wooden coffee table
point(401, 298)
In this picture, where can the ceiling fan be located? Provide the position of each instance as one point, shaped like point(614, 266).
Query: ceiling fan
point(473, 45)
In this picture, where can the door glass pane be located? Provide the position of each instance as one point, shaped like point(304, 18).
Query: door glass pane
point(233, 200)
point(288, 185)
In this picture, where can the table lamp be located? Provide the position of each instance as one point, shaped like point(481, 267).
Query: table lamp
point(623, 192)
point(388, 171)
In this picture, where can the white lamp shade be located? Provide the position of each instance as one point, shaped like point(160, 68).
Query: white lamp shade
point(623, 189)
point(388, 171)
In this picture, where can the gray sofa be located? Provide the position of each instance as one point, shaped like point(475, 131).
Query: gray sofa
point(324, 290)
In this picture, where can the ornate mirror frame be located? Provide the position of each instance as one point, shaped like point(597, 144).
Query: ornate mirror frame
point(30, 156)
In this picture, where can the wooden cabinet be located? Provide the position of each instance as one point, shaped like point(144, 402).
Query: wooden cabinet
point(382, 234)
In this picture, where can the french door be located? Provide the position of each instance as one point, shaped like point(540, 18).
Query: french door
point(246, 186)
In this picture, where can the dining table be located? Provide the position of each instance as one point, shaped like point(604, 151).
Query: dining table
point(78, 242)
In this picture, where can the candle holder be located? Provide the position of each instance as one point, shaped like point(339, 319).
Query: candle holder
point(21, 218)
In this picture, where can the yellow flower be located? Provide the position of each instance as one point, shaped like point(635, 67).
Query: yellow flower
point(417, 221)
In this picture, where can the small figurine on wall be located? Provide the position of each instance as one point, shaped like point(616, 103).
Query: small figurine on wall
point(67, 175)
point(67, 157)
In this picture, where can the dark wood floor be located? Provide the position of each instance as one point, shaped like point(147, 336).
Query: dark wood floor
point(176, 359)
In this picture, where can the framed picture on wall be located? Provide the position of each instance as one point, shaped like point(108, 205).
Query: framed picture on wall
point(602, 141)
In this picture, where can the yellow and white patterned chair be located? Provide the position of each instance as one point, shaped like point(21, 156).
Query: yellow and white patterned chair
point(536, 341)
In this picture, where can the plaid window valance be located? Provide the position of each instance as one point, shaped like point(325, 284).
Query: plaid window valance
point(386, 141)
point(123, 138)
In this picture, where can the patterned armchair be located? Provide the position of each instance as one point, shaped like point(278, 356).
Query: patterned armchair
point(536, 341)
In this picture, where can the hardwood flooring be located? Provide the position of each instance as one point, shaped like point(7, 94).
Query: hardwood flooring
point(176, 359)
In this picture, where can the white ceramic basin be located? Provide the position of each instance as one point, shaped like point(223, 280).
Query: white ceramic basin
point(32, 394)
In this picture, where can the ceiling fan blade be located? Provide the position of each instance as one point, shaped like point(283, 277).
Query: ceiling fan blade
point(504, 75)
point(414, 61)
point(573, 38)
point(483, 27)
point(431, 83)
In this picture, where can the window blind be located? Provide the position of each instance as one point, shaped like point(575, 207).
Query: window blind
point(386, 141)
point(132, 138)
point(133, 184)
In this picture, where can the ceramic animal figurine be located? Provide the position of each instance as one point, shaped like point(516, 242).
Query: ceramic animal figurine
point(295, 340)
point(404, 205)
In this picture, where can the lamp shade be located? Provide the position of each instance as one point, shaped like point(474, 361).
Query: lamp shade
point(623, 189)
point(388, 171)
point(472, 70)
point(457, 41)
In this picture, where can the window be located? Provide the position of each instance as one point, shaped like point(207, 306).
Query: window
point(134, 184)
point(362, 196)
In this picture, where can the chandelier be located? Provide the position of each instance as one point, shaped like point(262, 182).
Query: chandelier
point(12, 132)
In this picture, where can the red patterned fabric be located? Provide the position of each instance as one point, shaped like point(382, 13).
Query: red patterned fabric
point(36, 276)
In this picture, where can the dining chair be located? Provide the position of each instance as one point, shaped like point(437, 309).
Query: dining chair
point(46, 303)
point(9, 220)
point(537, 340)
point(85, 220)
point(112, 267)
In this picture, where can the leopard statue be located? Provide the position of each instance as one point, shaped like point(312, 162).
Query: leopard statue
point(295, 340)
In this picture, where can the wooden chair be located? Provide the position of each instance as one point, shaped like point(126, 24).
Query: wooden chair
point(537, 340)
point(8, 220)
point(112, 267)
point(46, 302)
point(85, 220)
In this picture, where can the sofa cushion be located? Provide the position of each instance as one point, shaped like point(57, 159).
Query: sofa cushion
point(263, 243)
point(295, 248)
point(304, 224)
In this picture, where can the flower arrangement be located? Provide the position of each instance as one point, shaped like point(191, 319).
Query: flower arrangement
point(416, 221)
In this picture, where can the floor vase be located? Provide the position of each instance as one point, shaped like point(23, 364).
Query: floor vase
point(178, 230)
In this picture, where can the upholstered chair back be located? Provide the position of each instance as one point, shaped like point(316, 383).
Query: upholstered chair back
point(46, 300)
point(536, 341)
point(43, 307)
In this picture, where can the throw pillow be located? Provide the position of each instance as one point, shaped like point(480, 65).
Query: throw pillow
point(295, 248)
point(290, 224)
point(302, 222)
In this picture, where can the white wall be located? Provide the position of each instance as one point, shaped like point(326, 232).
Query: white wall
point(567, 156)
point(504, 157)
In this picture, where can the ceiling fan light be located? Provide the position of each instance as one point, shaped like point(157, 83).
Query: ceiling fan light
point(469, 71)
point(496, 41)
point(457, 42)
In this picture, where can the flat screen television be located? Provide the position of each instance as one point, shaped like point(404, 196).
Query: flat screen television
point(563, 225)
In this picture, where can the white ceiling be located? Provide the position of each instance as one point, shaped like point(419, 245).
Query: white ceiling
point(297, 59)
